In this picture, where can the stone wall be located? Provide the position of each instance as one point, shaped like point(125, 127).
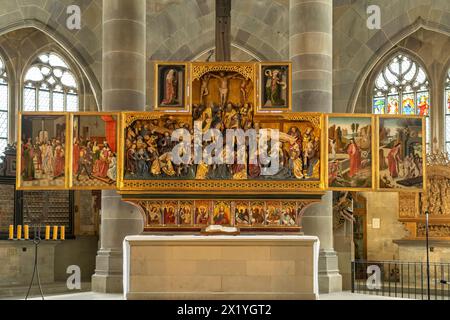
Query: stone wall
point(383, 206)
point(356, 49)
point(415, 251)
point(50, 18)
point(430, 49)
point(186, 267)
point(16, 257)
point(185, 30)
point(16, 267)
point(80, 252)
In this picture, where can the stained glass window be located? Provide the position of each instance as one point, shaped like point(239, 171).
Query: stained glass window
point(4, 107)
point(50, 85)
point(402, 87)
point(447, 111)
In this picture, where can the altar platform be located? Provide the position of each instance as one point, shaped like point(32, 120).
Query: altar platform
point(221, 267)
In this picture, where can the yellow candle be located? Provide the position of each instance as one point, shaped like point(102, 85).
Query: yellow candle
point(26, 232)
point(19, 231)
point(47, 232)
point(11, 232)
point(63, 232)
point(55, 232)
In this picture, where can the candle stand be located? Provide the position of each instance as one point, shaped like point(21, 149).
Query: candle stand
point(36, 220)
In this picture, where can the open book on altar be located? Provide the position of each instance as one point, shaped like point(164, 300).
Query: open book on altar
point(219, 229)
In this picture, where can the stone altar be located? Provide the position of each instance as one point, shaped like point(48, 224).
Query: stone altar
point(221, 267)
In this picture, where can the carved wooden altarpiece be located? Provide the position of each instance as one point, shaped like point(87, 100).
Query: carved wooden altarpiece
point(436, 199)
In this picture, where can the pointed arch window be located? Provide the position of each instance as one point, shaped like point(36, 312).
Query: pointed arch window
point(447, 111)
point(402, 87)
point(4, 107)
point(50, 85)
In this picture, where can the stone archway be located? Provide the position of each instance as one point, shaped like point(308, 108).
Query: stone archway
point(83, 61)
point(381, 53)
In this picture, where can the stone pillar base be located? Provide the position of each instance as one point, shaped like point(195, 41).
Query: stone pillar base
point(108, 273)
point(329, 278)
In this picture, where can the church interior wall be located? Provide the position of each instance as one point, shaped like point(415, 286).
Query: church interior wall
point(184, 30)
point(357, 49)
point(380, 245)
point(20, 47)
point(419, 28)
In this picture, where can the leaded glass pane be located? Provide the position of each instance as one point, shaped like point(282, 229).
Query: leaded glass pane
point(34, 74)
point(408, 107)
point(447, 128)
point(390, 77)
point(380, 82)
point(54, 80)
point(447, 96)
point(405, 84)
point(405, 65)
point(44, 100)
point(56, 61)
point(421, 77)
point(72, 102)
point(3, 97)
point(29, 99)
point(58, 101)
point(3, 124)
point(68, 80)
point(44, 58)
point(3, 144)
point(395, 67)
point(379, 105)
point(411, 73)
point(423, 103)
point(393, 105)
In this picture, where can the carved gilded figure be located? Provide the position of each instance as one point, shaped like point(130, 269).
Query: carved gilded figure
point(223, 85)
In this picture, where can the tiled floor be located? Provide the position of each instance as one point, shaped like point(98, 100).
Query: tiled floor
point(102, 296)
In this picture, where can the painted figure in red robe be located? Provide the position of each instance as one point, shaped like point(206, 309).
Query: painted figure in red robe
point(423, 106)
point(170, 89)
point(355, 158)
point(58, 169)
point(393, 159)
point(76, 155)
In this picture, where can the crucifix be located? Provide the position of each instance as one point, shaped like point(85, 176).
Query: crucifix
point(223, 30)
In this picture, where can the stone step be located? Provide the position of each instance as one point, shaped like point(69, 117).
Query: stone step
point(19, 292)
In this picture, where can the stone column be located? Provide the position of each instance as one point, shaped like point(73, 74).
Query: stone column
point(123, 88)
point(310, 50)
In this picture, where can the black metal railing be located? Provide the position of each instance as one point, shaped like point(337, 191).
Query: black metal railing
point(400, 279)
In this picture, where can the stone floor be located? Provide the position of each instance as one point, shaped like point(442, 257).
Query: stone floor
point(345, 295)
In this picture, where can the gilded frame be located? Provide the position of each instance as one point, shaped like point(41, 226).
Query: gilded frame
point(19, 182)
point(377, 141)
point(248, 69)
point(186, 99)
point(373, 149)
point(220, 186)
point(113, 186)
point(301, 206)
point(260, 77)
